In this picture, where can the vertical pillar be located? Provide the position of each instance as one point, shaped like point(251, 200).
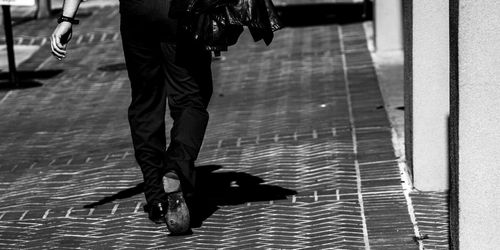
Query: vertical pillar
point(479, 123)
point(388, 25)
point(10, 45)
point(429, 98)
point(43, 8)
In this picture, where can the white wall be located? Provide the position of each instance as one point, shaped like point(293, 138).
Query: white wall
point(479, 124)
point(430, 94)
point(388, 25)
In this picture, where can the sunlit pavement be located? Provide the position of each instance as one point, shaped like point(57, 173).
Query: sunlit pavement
point(298, 152)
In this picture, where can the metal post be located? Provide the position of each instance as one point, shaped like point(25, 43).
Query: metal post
point(7, 23)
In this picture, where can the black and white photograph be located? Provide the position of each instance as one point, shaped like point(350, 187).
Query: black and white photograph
point(250, 124)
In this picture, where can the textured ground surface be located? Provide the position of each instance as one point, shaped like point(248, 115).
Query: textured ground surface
point(298, 152)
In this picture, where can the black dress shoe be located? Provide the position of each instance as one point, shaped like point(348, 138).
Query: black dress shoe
point(156, 212)
point(177, 214)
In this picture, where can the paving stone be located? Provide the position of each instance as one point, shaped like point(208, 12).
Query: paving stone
point(431, 210)
point(295, 156)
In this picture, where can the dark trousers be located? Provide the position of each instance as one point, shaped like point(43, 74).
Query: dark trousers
point(163, 66)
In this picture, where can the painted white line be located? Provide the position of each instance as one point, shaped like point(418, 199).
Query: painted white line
point(79, 40)
point(137, 207)
point(113, 14)
point(104, 35)
point(45, 62)
point(14, 168)
point(334, 132)
point(24, 215)
point(115, 208)
point(315, 134)
point(219, 144)
point(127, 153)
point(354, 138)
point(69, 212)
point(5, 97)
point(2, 215)
point(91, 212)
point(91, 38)
point(364, 193)
point(294, 199)
point(295, 136)
point(367, 66)
point(257, 139)
point(276, 138)
point(379, 162)
point(238, 142)
point(46, 214)
point(315, 196)
point(337, 193)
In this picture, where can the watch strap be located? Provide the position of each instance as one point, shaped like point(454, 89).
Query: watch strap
point(67, 19)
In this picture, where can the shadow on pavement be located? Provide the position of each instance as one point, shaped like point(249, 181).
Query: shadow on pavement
point(113, 67)
point(127, 193)
point(230, 188)
point(214, 190)
point(326, 13)
point(27, 79)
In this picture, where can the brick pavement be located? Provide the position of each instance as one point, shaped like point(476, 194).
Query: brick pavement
point(298, 152)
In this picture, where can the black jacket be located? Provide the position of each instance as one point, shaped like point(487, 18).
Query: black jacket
point(218, 24)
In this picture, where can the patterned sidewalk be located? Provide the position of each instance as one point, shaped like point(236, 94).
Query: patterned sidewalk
point(298, 153)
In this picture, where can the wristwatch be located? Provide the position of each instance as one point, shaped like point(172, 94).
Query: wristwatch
point(67, 19)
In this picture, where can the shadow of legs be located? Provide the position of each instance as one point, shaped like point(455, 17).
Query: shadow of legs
point(215, 189)
point(127, 193)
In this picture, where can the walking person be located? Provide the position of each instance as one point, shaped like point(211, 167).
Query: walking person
point(159, 70)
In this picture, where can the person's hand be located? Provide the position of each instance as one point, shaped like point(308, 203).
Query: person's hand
point(60, 38)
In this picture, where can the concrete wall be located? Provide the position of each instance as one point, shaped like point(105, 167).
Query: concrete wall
point(430, 94)
point(388, 25)
point(479, 123)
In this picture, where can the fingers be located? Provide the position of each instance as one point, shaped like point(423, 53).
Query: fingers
point(58, 50)
point(59, 40)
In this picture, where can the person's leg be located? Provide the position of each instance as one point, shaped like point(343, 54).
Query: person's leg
point(189, 88)
point(147, 109)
